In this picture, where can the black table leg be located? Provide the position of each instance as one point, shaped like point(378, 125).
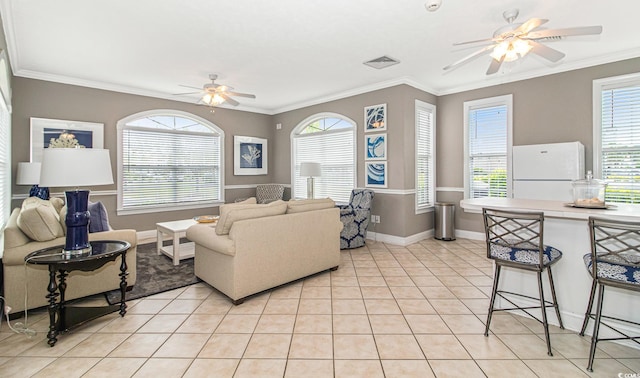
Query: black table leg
point(62, 288)
point(52, 288)
point(123, 284)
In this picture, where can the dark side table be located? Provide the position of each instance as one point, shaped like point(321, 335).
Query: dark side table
point(63, 317)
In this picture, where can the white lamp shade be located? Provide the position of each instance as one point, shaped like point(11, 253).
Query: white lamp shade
point(28, 174)
point(64, 167)
point(310, 169)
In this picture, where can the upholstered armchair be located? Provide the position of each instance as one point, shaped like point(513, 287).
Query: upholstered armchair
point(266, 193)
point(355, 218)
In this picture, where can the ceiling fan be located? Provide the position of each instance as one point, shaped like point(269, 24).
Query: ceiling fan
point(515, 40)
point(215, 94)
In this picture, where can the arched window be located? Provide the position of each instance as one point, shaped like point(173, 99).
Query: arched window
point(168, 160)
point(328, 139)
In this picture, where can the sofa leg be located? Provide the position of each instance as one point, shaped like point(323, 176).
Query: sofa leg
point(238, 302)
point(334, 268)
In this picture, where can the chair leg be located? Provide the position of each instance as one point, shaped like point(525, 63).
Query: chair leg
point(587, 314)
point(496, 278)
point(596, 328)
point(555, 300)
point(543, 309)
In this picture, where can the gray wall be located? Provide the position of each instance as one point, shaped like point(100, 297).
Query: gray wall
point(396, 210)
point(549, 109)
point(554, 108)
point(43, 99)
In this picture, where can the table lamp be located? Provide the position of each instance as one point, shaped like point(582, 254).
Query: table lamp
point(310, 170)
point(29, 174)
point(74, 167)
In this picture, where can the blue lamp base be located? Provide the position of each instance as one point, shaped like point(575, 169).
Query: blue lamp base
point(36, 191)
point(77, 221)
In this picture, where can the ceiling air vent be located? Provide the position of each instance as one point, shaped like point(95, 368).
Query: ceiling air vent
point(382, 62)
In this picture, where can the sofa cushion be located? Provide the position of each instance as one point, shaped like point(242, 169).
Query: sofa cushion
point(299, 206)
point(39, 220)
point(99, 219)
point(235, 212)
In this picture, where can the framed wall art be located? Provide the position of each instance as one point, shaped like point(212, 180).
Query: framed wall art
point(375, 118)
point(376, 174)
point(249, 155)
point(375, 147)
point(47, 133)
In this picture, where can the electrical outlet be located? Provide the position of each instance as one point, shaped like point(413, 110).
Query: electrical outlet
point(375, 219)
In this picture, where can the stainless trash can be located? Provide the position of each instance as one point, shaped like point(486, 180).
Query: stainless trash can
point(445, 221)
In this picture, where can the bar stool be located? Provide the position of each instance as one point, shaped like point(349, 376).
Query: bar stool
point(515, 240)
point(614, 261)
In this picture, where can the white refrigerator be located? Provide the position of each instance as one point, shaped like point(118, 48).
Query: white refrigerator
point(546, 171)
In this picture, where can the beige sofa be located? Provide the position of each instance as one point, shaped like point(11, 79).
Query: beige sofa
point(17, 245)
point(257, 247)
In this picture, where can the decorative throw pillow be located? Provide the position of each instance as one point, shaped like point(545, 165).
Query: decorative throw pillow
point(300, 206)
point(99, 217)
point(39, 220)
point(240, 212)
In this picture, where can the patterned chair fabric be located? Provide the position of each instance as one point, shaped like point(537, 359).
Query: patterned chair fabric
point(524, 253)
point(615, 271)
point(355, 217)
point(267, 193)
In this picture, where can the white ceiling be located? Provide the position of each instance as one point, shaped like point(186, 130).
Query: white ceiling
point(293, 53)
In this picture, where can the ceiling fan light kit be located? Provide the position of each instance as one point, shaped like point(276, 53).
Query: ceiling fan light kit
point(216, 94)
point(516, 40)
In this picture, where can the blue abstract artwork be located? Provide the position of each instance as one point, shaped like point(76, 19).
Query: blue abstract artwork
point(375, 118)
point(376, 174)
point(376, 147)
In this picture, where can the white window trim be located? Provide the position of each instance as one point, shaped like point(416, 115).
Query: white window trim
point(485, 103)
point(294, 135)
point(163, 208)
point(598, 86)
point(420, 209)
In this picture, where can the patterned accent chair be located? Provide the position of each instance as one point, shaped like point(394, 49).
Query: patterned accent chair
point(266, 193)
point(355, 217)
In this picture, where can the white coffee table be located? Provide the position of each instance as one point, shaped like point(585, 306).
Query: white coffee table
point(176, 230)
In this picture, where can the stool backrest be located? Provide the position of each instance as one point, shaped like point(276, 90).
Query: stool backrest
point(614, 241)
point(514, 229)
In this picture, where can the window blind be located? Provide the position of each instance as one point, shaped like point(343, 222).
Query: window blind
point(488, 151)
point(334, 150)
point(425, 185)
point(620, 143)
point(161, 167)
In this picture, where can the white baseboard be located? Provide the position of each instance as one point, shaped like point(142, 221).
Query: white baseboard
point(404, 241)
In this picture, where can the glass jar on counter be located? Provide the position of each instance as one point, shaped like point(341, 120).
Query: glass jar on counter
point(589, 192)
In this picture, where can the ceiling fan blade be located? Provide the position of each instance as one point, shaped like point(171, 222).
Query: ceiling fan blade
point(580, 30)
point(229, 99)
point(530, 25)
point(476, 41)
point(238, 94)
point(184, 94)
point(546, 52)
point(495, 65)
point(468, 58)
point(188, 86)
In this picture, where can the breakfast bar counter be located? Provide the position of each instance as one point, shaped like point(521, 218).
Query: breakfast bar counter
point(566, 228)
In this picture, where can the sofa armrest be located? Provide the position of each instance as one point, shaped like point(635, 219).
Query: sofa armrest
point(206, 236)
point(16, 255)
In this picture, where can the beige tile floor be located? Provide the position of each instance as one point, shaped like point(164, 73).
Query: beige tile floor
point(389, 311)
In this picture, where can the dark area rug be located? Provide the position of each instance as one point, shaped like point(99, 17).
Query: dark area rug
point(156, 274)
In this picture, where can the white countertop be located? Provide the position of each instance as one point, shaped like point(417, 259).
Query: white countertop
point(553, 209)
